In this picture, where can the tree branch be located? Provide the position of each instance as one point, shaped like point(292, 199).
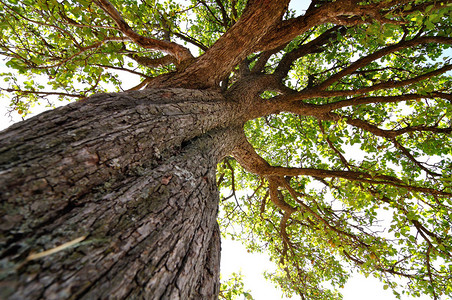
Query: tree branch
point(314, 92)
point(335, 12)
point(412, 158)
point(179, 52)
point(274, 183)
point(362, 62)
point(226, 20)
point(262, 60)
point(63, 60)
point(140, 85)
point(153, 62)
point(122, 69)
point(373, 99)
point(389, 134)
point(43, 93)
point(246, 155)
point(313, 46)
point(219, 22)
point(330, 144)
point(190, 40)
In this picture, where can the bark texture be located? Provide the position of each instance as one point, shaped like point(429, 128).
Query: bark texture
point(130, 179)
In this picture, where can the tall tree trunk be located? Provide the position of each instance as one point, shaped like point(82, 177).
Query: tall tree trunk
point(126, 183)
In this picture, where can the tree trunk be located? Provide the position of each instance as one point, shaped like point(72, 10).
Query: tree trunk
point(126, 183)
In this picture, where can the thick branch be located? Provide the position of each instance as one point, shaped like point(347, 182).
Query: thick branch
point(179, 52)
point(335, 12)
point(274, 183)
point(232, 47)
point(246, 155)
point(263, 58)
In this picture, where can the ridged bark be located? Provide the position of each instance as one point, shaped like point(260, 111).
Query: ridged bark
point(132, 177)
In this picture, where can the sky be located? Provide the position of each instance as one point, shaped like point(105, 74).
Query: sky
point(235, 258)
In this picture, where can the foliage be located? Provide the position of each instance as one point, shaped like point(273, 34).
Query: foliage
point(364, 139)
point(233, 287)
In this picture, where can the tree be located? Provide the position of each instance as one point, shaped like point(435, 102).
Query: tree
point(337, 122)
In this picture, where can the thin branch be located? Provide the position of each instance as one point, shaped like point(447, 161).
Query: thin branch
point(212, 14)
point(15, 12)
point(412, 158)
point(389, 134)
point(226, 20)
point(43, 93)
point(362, 62)
point(153, 62)
point(71, 57)
point(140, 85)
point(191, 40)
point(330, 144)
point(314, 92)
point(390, 271)
point(435, 129)
point(429, 270)
point(122, 69)
point(313, 46)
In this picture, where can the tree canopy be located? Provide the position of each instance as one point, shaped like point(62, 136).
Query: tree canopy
point(347, 161)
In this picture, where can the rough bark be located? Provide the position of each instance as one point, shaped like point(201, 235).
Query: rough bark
point(130, 179)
